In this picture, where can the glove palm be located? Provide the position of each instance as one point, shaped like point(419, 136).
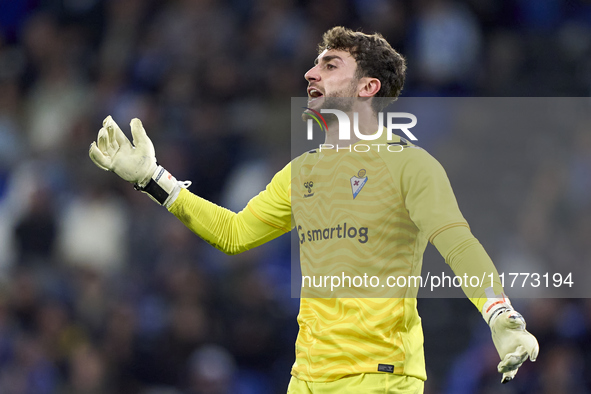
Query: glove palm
point(114, 152)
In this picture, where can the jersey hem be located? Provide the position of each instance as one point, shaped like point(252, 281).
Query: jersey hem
point(312, 380)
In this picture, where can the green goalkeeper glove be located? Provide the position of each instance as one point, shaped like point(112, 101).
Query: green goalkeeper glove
point(135, 163)
point(513, 342)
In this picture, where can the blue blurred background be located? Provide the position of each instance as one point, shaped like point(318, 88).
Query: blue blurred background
point(103, 291)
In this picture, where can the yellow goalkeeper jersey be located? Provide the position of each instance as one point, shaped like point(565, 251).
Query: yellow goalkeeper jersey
point(359, 212)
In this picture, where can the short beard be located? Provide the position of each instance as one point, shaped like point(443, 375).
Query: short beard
point(342, 100)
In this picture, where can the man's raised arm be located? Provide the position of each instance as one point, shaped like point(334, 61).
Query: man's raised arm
point(266, 217)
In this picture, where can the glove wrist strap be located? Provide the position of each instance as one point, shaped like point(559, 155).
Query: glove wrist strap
point(163, 187)
point(496, 304)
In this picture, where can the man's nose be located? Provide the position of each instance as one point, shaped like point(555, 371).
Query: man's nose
point(312, 75)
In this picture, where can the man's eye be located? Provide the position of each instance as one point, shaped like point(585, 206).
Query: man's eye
point(330, 66)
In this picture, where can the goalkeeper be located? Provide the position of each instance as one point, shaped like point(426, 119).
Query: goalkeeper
point(404, 200)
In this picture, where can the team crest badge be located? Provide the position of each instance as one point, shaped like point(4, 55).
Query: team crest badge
point(357, 182)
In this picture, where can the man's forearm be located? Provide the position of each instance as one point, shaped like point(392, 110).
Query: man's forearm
point(230, 232)
point(466, 256)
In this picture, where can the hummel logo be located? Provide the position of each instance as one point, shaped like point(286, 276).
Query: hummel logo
point(309, 185)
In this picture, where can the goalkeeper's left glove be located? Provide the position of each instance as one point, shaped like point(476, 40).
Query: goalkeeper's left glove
point(513, 342)
point(135, 163)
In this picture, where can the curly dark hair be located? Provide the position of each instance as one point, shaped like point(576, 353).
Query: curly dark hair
point(375, 58)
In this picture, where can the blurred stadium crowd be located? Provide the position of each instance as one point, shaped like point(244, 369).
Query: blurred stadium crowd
point(102, 291)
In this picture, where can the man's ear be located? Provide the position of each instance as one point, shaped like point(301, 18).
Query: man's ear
point(369, 87)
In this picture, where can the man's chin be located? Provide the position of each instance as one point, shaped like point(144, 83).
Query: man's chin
point(316, 103)
point(341, 103)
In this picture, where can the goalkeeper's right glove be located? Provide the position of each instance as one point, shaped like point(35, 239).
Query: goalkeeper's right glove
point(135, 163)
point(513, 342)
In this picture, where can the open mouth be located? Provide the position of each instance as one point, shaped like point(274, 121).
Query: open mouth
point(314, 94)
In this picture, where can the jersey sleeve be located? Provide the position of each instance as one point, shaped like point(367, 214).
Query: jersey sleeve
point(467, 258)
point(267, 216)
point(432, 206)
point(427, 193)
point(273, 205)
